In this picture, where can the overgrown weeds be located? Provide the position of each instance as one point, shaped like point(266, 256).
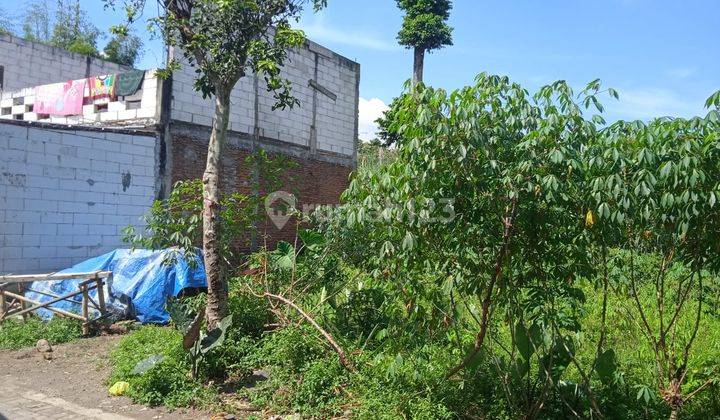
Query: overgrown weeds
point(15, 334)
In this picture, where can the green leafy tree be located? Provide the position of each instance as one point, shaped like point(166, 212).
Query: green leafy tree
point(68, 28)
point(73, 30)
point(424, 29)
point(123, 49)
point(225, 40)
point(37, 22)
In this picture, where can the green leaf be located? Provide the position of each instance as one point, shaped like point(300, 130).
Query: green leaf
point(312, 240)
point(180, 314)
point(606, 366)
point(408, 241)
point(284, 256)
point(216, 337)
point(527, 341)
point(146, 364)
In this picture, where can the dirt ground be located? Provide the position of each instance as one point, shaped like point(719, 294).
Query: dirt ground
point(72, 383)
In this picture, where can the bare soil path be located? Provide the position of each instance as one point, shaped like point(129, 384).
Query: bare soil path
point(71, 386)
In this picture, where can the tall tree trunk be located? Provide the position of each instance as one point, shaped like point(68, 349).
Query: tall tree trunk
point(217, 284)
point(418, 65)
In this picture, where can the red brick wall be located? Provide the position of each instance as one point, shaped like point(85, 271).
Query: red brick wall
point(311, 181)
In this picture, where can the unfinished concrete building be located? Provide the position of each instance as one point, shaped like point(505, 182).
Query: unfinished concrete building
point(70, 183)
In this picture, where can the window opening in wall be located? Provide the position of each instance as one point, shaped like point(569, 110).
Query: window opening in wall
point(2, 77)
point(18, 117)
point(19, 101)
point(132, 104)
point(5, 111)
point(29, 108)
point(101, 107)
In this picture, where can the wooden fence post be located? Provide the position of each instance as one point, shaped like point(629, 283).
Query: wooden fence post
point(85, 312)
point(101, 296)
point(3, 304)
point(23, 305)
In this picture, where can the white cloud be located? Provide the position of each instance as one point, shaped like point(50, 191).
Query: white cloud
point(318, 30)
point(370, 110)
point(647, 103)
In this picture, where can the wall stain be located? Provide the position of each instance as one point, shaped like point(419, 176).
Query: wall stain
point(126, 180)
point(14, 180)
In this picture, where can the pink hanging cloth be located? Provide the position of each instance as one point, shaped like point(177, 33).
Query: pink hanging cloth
point(60, 99)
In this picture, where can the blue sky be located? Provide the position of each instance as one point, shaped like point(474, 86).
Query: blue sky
point(663, 56)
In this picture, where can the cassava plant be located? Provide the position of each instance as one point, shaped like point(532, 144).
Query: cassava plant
point(224, 40)
point(509, 202)
point(484, 193)
point(653, 190)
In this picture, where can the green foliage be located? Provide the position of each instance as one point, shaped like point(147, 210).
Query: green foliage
point(176, 222)
point(373, 154)
point(560, 271)
point(68, 27)
point(424, 25)
point(184, 317)
point(167, 382)
point(73, 30)
point(37, 21)
point(362, 313)
point(535, 196)
point(123, 49)
point(226, 39)
point(292, 349)
point(15, 334)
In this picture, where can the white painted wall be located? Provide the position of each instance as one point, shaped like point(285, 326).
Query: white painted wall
point(62, 198)
point(336, 120)
point(29, 63)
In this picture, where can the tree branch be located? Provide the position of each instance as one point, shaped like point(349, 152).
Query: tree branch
point(341, 353)
point(487, 300)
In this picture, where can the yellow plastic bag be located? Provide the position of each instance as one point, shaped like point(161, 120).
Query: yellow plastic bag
point(119, 388)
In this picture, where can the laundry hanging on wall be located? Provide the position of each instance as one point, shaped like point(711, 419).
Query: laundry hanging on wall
point(102, 86)
point(128, 83)
point(60, 99)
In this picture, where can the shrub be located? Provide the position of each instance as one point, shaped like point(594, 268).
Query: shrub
point(15, 334)
point(362, 313)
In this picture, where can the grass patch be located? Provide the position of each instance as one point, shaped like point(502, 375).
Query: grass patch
point(167, 383)
point(16, 334)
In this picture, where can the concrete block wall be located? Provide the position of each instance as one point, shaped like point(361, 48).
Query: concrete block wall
point(65, 194)
point(335, 118)
point(142, 107)
point(26, 63)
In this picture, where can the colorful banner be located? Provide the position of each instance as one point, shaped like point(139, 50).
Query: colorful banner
point(60, 99)
point(102, 86)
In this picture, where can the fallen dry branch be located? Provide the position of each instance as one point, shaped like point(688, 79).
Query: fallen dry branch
point(341, 353)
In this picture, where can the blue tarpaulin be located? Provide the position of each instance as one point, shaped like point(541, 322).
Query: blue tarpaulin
point(142, 281)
